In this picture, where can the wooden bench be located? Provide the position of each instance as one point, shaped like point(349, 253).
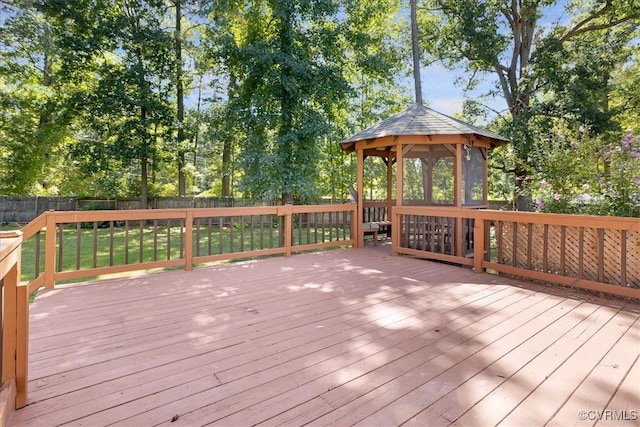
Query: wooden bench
point(384, 227)
point(371, 228)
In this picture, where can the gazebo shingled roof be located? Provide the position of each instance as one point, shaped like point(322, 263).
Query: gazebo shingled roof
point(420, 120)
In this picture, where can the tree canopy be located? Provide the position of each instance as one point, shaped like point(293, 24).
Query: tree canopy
point(115, 98)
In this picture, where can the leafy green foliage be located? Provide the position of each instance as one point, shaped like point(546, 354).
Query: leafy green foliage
point(33, 118)
point(291, 67)
point(604, 176)
point(546, 71)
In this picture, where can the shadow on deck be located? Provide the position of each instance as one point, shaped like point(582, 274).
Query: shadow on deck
point(344, 336)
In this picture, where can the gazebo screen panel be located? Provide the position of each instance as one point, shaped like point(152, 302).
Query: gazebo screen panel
point(443, 178)
point(429, 175)
point(473, 179)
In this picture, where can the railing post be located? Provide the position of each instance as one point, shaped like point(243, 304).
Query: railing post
point(50, 251)
point(188, 241)
point(478, 244)
point(354, 226)
point(9, 317)
point(22, 345)
point(286, 211)
point(395, 233)
point(15, 318)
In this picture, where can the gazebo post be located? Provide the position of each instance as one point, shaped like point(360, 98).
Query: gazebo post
point(399, 174)
point(457, 179)
point(360, 201)
point(395, 229)
point(389, 186)
point(459, 233)
point(430, 177)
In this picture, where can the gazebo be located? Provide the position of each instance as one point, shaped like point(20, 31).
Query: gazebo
point(440, 161)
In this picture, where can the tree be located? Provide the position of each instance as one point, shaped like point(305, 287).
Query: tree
point(290, 66)
point(625, 94)
point(505, 39)
point(125, 46)
point(33, 118)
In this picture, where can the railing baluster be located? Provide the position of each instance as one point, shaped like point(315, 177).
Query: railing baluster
point(155, 240)
point(252, 230)
point(126, 242)
point(241, 233)
point(261, 219)
point(182, 225)
point(37, 254)
point(231, 236)
point(220, 235)
point(315, 227)
point(111, 243)
point(197, 225)
point(60, 246)
point(432, 232)
point(209, 236)
point(78, 244)
point(95, 244)
point(344, 225)
point(271, 231)
point(141, 249)
point(168, 239)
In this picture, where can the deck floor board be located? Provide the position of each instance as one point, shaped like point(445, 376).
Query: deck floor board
point(342, 337)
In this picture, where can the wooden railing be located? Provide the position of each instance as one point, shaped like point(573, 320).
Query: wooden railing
point(595, 253)
point(15, 324)
point(80, 244)
point(59, 246)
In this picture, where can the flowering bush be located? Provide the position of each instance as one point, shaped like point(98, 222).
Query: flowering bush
point(587, 175)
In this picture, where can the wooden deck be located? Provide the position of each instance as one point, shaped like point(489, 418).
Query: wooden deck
point(340, 337)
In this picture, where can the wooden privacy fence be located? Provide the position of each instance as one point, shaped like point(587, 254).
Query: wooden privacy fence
point(24, 209)
point(79, 244)
point(596, 253)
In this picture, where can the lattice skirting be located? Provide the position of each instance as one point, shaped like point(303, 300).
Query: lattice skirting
point(572, 251)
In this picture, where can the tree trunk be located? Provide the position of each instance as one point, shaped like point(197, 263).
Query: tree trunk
point(287, 106)
point(416, 53)
point(43, 119)
point(226, 168)
point(182, 190)
point(144, 163)
point(227, 147)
